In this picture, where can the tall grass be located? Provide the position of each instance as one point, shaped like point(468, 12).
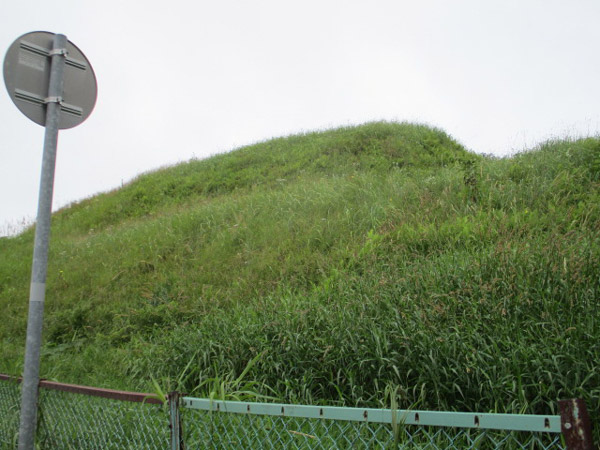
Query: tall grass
point(354, 259)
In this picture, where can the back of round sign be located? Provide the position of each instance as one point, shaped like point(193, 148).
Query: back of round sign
point(27, 72)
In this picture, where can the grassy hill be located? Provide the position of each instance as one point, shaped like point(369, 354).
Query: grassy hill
point(351, 261)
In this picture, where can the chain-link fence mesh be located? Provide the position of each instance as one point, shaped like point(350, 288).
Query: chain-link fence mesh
point(68, 420)
point(10, 397)
point(222, 430)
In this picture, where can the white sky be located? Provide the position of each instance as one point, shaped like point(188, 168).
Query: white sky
point(183, 79)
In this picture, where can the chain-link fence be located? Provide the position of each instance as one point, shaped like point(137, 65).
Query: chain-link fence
point(76, 421)
point(10, 397)
point(78, 417)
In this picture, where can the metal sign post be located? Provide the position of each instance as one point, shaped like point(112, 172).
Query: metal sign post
point(35, 72)
point(40, 249)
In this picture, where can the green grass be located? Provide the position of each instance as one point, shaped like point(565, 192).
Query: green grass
point(356, 259)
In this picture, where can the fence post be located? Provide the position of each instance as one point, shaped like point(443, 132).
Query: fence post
point(175, 421)
point(575, 424)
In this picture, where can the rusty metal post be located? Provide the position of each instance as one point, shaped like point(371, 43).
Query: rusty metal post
point(175, 421)
point(575, 424)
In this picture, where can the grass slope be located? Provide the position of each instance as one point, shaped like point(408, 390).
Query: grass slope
point(356, 259)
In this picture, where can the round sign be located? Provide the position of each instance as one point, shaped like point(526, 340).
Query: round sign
point(27, 74)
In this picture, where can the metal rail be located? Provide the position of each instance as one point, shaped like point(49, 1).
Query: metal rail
point(508, 422)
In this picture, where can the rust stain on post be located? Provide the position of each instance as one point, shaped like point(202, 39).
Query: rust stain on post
point(575, 424)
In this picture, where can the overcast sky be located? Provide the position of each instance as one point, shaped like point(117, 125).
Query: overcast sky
point(182, 79)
